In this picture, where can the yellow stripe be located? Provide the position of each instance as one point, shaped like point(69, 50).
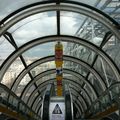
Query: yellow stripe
point(11, 113)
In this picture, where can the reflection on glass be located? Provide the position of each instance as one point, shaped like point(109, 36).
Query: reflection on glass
point(3, 94)
point(85, 97)
point(112, 48)
point(96, 84)
point(89, 91)
point(22, 85)
point(80, 52)
point(90, 2)
point(74, 19)
point(5, 49)
point(37, 102)
point(82, 102)
point(115, 91)
point(12, 72)
point(43, 67)
point(83, 27)
point(38, 52)
point(33, 27)
point(9, 6)
point(31, 99)
point(105, 71)
point(32, 88)
point(76, 67)
point(47, 77)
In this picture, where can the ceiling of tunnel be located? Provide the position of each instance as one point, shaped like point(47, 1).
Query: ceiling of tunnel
point(29, 31)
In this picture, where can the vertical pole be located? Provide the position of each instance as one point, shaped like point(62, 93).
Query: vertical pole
point(58, 63)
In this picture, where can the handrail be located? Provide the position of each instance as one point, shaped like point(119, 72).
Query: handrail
point(20, 107)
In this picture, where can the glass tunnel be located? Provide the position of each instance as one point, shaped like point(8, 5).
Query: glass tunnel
point(59, 59)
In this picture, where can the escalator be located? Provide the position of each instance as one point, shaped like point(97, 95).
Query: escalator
point(57, 107)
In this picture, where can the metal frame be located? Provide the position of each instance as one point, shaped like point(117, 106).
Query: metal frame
point(103, 18)
point(79, 91)
point(79, 103)
point(46, 59)
point(106, 92)
point(40, 107)
point(10, 38)
point(37, 109)
point(58, 2)
point(41, 86)
point(79, 109)
point(54, 71)
point(16, 97)
point(109, 23)
point(51, 58)
point(13, 56)
point(53, 80)
point(51, 71)
point(107, 36)
point(78, 106)
point(36, 101)
point(61, 37)
point(66, 79)
point(75, 92)
point(42, 90)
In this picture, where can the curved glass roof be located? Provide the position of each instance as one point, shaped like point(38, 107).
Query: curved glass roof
point(89, 31)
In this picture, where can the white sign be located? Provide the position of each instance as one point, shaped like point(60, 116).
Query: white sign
point(57, 111)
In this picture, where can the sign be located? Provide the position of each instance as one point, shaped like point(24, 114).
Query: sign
point(57, 111)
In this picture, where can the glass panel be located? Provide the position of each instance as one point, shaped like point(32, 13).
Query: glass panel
point(110, 7)
point(13, 5)
point(76, 67)
point(3, 94)
point(47, 49)
point(90, 2)
point(5, 49)
point(105, 71)
point(50, 65)
point(32, 88)
point(47, 77)
point(115, 92)
point(33, 27)
point(22, 85)
point(82, 27)
point(33, 98)
point(75, 86)
point(85, 97)
point(96, 84)
point(11, 98)
point(12, 72)
point(73, 78)
point(37, 102)
point(88, 89)
point(105, 102)
point(7, 7)
point(80, 52)
point(38, 52)
point(112, 48)
point(43, 67)
point(73, 19)
point(82, 102)
point(65, 75)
